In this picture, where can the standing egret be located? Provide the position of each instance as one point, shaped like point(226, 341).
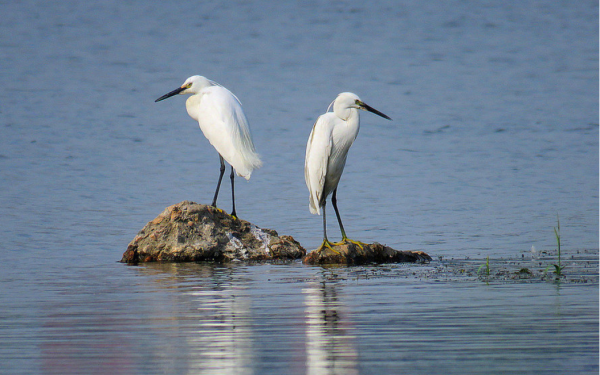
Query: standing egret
point(326, 151)
point(223, 122)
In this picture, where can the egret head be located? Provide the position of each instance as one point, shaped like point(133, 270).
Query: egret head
point(192, 85)
point(347, 100)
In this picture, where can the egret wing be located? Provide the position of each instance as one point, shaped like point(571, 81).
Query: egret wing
point(318, 150)
point(224, 124)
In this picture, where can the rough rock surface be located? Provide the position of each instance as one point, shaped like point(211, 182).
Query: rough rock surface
point(188, 231)
point(350, 253)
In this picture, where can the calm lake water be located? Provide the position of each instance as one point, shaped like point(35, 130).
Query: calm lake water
point(495, 134)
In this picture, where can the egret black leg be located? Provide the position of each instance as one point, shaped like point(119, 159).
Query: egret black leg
point(214, 202)
point(337, 213)
point(324, 225)
point(326, 243)
point(232, 177)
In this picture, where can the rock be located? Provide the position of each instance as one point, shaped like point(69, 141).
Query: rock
point(190, 232)
point(350, 253)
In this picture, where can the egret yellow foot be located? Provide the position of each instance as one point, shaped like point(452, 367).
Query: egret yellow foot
point(346, 239)
point(224, 212)
point(327, 244)
point(219, 210)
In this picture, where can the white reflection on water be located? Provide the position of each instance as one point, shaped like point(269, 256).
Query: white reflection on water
point(222, 343)
point(215, 327)
point(330, 345)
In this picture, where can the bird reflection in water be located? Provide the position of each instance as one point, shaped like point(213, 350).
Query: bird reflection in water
point(329, 340)
point(215, 322)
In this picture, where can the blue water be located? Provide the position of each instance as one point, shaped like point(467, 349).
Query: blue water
point(495, 134)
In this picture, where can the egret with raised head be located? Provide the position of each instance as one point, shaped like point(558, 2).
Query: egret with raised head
point(223, 122)
point(330, 139)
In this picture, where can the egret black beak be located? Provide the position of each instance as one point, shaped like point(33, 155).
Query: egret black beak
point(367, 107)
point(172, 93)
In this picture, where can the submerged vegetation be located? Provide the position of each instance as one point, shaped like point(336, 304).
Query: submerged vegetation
point(546, 265)
point(558, 268)
point(485, 267)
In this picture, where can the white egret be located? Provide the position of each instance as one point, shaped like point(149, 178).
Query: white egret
point(223, 122)
point(330, 139)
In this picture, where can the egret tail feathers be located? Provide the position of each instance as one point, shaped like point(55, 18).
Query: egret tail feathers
point(247, 163)
point(314, 208)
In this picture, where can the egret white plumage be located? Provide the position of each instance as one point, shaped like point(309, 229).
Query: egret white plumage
point(223, 122)
point(330, 139)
